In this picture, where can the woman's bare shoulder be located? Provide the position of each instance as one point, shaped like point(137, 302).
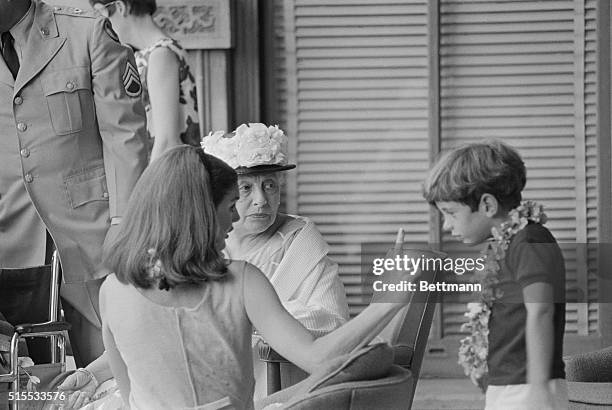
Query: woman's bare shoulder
point(238, 267)
point(164, 59)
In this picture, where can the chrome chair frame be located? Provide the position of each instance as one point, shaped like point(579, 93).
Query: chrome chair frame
point(52, 328)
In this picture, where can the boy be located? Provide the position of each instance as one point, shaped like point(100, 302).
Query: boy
point(477, 187)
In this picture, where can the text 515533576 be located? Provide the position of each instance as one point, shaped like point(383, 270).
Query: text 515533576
point(37, 396)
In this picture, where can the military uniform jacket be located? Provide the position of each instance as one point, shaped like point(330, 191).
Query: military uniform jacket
point(72, 141)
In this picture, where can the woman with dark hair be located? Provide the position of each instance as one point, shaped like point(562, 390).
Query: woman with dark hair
point(169, 92)
point(177, 317)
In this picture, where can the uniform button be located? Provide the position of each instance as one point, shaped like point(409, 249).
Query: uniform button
point(77, 10)
point(22, 126)
point(70, 85)
point(29, 178)
point(44, 31)
point(105, 195)
point(57, 8)
point(18, 100)
point(25, 152)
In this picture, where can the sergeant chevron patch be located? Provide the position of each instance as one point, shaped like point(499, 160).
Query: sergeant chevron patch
point(131, 81)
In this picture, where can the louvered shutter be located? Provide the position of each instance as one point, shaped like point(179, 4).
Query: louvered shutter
point(276, 69)
point(592, 193)
point(357, 89)
point(351, 93)
point(515, 70)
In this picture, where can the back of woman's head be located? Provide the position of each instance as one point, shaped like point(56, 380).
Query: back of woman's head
point(134, 7)
point(171, 222)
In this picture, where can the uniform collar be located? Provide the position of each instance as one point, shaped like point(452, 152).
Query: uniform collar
point(44, 20)
point(21, 30)
point(42, 43)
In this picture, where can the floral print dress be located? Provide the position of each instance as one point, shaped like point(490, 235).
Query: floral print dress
point(188, 102)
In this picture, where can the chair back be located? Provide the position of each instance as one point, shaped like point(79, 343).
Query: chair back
point(25, 299)
point(30, 300)
point(408, 332)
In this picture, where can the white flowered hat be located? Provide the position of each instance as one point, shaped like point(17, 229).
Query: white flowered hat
point(251, 149)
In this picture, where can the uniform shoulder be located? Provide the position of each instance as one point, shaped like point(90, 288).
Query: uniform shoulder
point(77, 23)
point(74, 22)
point(73, 12)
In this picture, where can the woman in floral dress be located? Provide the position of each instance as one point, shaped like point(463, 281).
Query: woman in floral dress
point(169, 92)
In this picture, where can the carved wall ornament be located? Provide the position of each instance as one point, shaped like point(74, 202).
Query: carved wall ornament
point(202, 24)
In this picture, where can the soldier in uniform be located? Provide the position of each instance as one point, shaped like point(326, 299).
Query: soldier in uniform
point(72, 145)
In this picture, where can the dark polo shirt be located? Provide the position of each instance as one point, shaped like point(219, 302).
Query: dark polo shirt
point(533, 255)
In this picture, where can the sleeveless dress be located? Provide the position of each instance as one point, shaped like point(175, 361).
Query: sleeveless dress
point(188, 101)
point(181, 357)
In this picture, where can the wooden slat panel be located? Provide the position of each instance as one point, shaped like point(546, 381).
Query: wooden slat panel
point(360, 21)
point(351, 3)
point(523, 8)
point(503, 27)
point(323, 170)
point(507, 39)
point(330, 9)
point(592, 192)
point(355, 135)
point(562, 90)
point(581, 194)
point(355, 87)
point(339, 32)
point(510, 70)
point(358, 82)
point(335, 52)
point(533, 48)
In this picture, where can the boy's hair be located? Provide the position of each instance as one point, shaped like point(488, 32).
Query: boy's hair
point(172, 212)
point(135, 7)
point(466, 173)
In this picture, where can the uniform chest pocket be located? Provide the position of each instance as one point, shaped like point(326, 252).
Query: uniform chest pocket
point(70, 99)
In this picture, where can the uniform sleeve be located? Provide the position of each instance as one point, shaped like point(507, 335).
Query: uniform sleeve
point(120, 114)
point(325, 307)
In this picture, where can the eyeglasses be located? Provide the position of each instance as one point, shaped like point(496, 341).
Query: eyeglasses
point(104, 10)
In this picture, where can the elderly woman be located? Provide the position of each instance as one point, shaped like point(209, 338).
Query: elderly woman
point(288, 249)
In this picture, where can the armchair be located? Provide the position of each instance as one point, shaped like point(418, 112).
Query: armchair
point(589, 380)
point(363, 379)
point(407, 335)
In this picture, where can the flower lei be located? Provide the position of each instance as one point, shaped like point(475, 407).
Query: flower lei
point(474, 348)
